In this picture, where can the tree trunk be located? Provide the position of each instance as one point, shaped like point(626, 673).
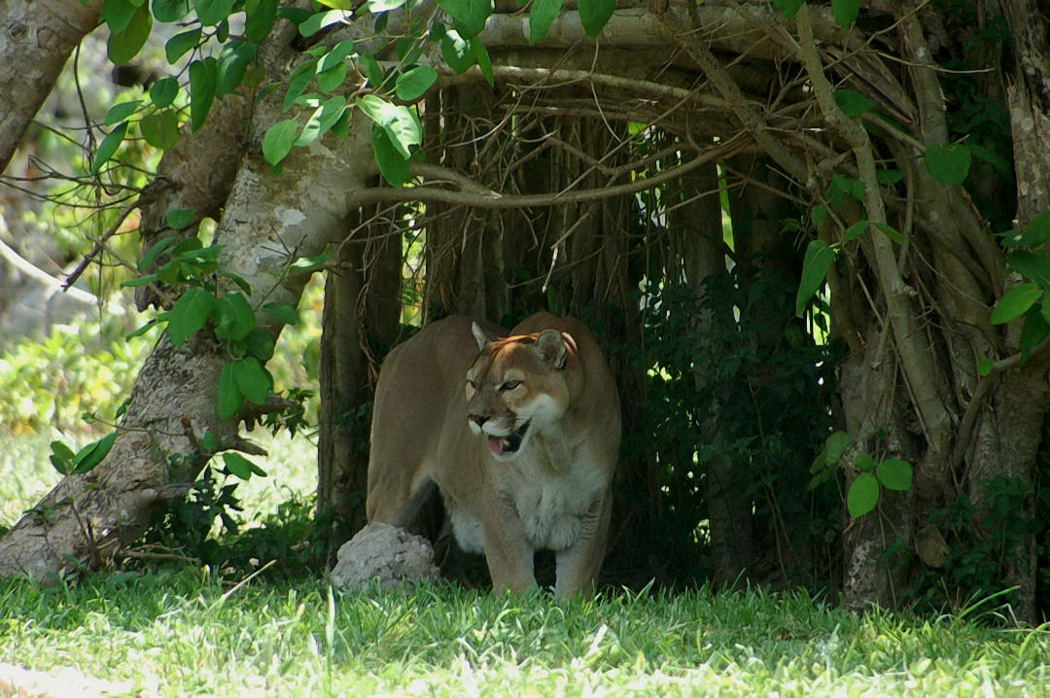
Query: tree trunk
point(36, 38)
point(1023, 397)
point(361, 312)
point(268, 222)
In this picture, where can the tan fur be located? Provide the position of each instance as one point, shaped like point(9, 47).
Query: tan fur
point(449, 414)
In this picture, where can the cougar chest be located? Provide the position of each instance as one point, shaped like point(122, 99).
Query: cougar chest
point(551, 489)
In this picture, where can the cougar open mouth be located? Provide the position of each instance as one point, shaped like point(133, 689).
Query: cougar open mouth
point(504, 445)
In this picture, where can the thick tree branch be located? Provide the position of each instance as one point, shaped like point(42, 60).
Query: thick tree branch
point(38, 38)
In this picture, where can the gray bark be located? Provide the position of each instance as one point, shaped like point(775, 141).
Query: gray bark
point(36, 39)
point(268, 222)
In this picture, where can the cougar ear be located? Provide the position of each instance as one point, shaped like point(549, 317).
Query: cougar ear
point(479, 334)
point(554, 347)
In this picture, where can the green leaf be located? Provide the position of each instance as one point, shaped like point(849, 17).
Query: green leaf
point(241, 282)
point(541, 16)
point(481, 56)
point(163, 92)
point(819, 479)
point(277, 142)
point(253, 380)
point(405, 131)
point(170, 10)
point(848, 186)
point(117, 14)
point(211, 12)
point(594, 14)
point(179, 218)
point(323, 118)
point(887, 177)
point(394, 168)
point(457, 51)
point(845, 11)
point(235, 317)
point(1035, 233)
point(370, 66)
point(124, 45)
point(92, 454)
point(161, 130)
point(180, 44)
point(949, 164)
point(863, 495)
point(895, 474)
point(853, 103)
point(119, 112)
point(260, 16)
point(62, 457)
point(819, 214)
point(332, 79)
point(818, 260)
point(133, 283)
point(414, 83)
point(377, 6)
point(864, 462)
point(401, 124)
point(891, 232)
point(985, 366)
point(229, 395)
point(108, 147)
point(239, 466)
point(316, 22)
point(310, 264)
point(835, 445)
point(1031, 265)
point(1035, 330)
point(156, 249)
point(282, 312)
point(298, 82)
point(789, 8)
point(469, 15)
point(259, 344)
point(338, 4)
point(232, 63)
point(337, 56)
point(203, 81)
point(1015, 303)
point(855, 231)
point(190, 314)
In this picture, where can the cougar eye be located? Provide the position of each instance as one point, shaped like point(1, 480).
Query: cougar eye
point(509, 385)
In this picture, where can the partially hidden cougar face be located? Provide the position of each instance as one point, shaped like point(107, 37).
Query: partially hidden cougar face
point(516, 388)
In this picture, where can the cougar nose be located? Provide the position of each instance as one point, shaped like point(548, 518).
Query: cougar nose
point(479, 419)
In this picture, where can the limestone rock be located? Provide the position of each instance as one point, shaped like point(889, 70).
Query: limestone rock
point(390, 555)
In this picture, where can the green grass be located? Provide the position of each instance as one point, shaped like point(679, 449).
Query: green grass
point(182, 631)
point(178, 633)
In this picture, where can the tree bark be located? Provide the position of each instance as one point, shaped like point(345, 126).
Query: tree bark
point(36, 38)
point(360, 324)
point(268, 222)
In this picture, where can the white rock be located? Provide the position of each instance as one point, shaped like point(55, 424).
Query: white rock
point(387, 554)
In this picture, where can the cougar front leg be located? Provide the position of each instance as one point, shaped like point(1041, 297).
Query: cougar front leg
point(508, 554)
point(578, 566)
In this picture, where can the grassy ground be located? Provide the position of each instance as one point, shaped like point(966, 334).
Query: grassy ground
point(181, 632)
